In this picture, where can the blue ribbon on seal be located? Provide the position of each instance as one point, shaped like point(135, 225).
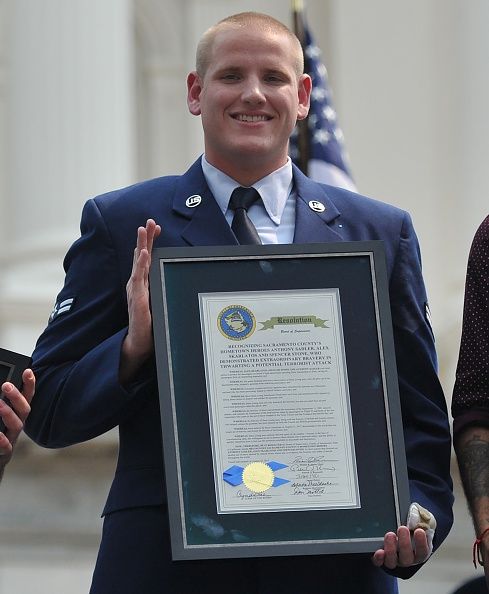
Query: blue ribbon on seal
point(234, 474)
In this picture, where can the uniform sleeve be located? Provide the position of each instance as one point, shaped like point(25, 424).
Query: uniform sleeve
point(424, 411)
point(470, 403)
point(76, 359)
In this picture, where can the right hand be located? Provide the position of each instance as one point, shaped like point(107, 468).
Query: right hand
point(138, 344)
point(13, 412)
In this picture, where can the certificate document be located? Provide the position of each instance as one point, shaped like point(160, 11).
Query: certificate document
point(278, 401)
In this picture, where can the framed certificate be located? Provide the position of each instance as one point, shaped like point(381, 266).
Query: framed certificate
point(281, 422)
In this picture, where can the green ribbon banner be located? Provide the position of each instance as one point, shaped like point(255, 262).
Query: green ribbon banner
point(293, 320)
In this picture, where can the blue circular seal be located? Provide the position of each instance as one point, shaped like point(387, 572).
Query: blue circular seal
point(236, 322)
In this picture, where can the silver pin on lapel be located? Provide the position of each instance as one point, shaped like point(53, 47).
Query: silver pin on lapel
point(316, 206)
point(193, 201)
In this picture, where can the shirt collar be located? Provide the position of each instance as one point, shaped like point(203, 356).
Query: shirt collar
point(274, 188)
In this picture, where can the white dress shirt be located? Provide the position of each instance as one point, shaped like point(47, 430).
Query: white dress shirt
point(274, 218)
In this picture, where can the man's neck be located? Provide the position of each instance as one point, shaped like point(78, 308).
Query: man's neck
point(244, 173)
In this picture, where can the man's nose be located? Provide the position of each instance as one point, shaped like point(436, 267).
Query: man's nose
point(253, 92)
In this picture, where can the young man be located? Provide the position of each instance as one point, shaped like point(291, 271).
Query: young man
point(95, 363)
point(14, 409)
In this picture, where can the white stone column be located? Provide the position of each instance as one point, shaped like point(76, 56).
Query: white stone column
point(468, 134)
point(69, 134)
point(3, 121)
point(412, 89)
point(471, 128)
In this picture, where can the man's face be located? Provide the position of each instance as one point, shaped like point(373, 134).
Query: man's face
point(249, 100)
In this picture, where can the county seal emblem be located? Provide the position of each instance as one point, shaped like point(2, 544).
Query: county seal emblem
point(236, 322)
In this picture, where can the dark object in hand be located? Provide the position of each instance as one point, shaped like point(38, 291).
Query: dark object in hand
point(12, 366)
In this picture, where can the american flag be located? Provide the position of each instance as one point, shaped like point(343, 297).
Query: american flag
point(328, 161)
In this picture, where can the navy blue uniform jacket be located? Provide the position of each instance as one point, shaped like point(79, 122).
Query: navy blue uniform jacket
point(76, 359)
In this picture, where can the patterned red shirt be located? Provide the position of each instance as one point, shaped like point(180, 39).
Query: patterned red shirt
point(470, 403)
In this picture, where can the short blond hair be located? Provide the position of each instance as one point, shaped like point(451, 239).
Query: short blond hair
point(263, 22)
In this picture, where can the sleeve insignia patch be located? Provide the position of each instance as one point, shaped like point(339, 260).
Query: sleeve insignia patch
point(61, 307)
point(427, 314)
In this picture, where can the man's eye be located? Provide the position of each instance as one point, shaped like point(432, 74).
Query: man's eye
point(230, 77)
point(274, 78)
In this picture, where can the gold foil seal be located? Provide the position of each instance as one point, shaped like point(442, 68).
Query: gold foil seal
point(258, 477)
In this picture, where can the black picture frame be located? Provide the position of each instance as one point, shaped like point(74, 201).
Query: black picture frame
point(12, 366)
point(357, 269)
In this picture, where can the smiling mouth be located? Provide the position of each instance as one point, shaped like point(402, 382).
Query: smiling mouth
point(251, 118)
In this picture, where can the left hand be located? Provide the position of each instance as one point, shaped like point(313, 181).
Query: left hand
point(13, 411)
point(138, 343)
point(411, 544)
point(399, 551)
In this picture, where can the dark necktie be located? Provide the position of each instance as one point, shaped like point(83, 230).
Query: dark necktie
point(241, 200)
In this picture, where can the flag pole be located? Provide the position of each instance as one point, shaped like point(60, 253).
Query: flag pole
point(302, 125)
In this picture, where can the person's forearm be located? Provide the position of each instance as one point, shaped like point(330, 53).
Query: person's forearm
point(76, 401)
point(472, 449)
point(130, 362)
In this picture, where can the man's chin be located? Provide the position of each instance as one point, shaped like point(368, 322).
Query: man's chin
point(258, 150)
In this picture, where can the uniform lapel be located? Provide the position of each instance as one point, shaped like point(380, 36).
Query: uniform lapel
point(312, 226)
point(206, 223)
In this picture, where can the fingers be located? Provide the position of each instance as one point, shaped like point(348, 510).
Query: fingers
point(147, 235)
point(138, 344)
point(5, 450)
point(152, 231)
point(384, 556)
point(422, 546)
point(140, 266)
point(378, 557)
point(29, 384)
point(13, 418)
point(12, 421)
point(402, 551)
point(405, 548)
point(17, 402)
point(142, 252)
point(14, 409)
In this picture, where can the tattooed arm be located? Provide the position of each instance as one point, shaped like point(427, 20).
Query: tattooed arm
point(472, 449)
point(470, 402)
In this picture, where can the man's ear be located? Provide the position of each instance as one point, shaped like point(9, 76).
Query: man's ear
point(304, 92)
point(194, 88)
